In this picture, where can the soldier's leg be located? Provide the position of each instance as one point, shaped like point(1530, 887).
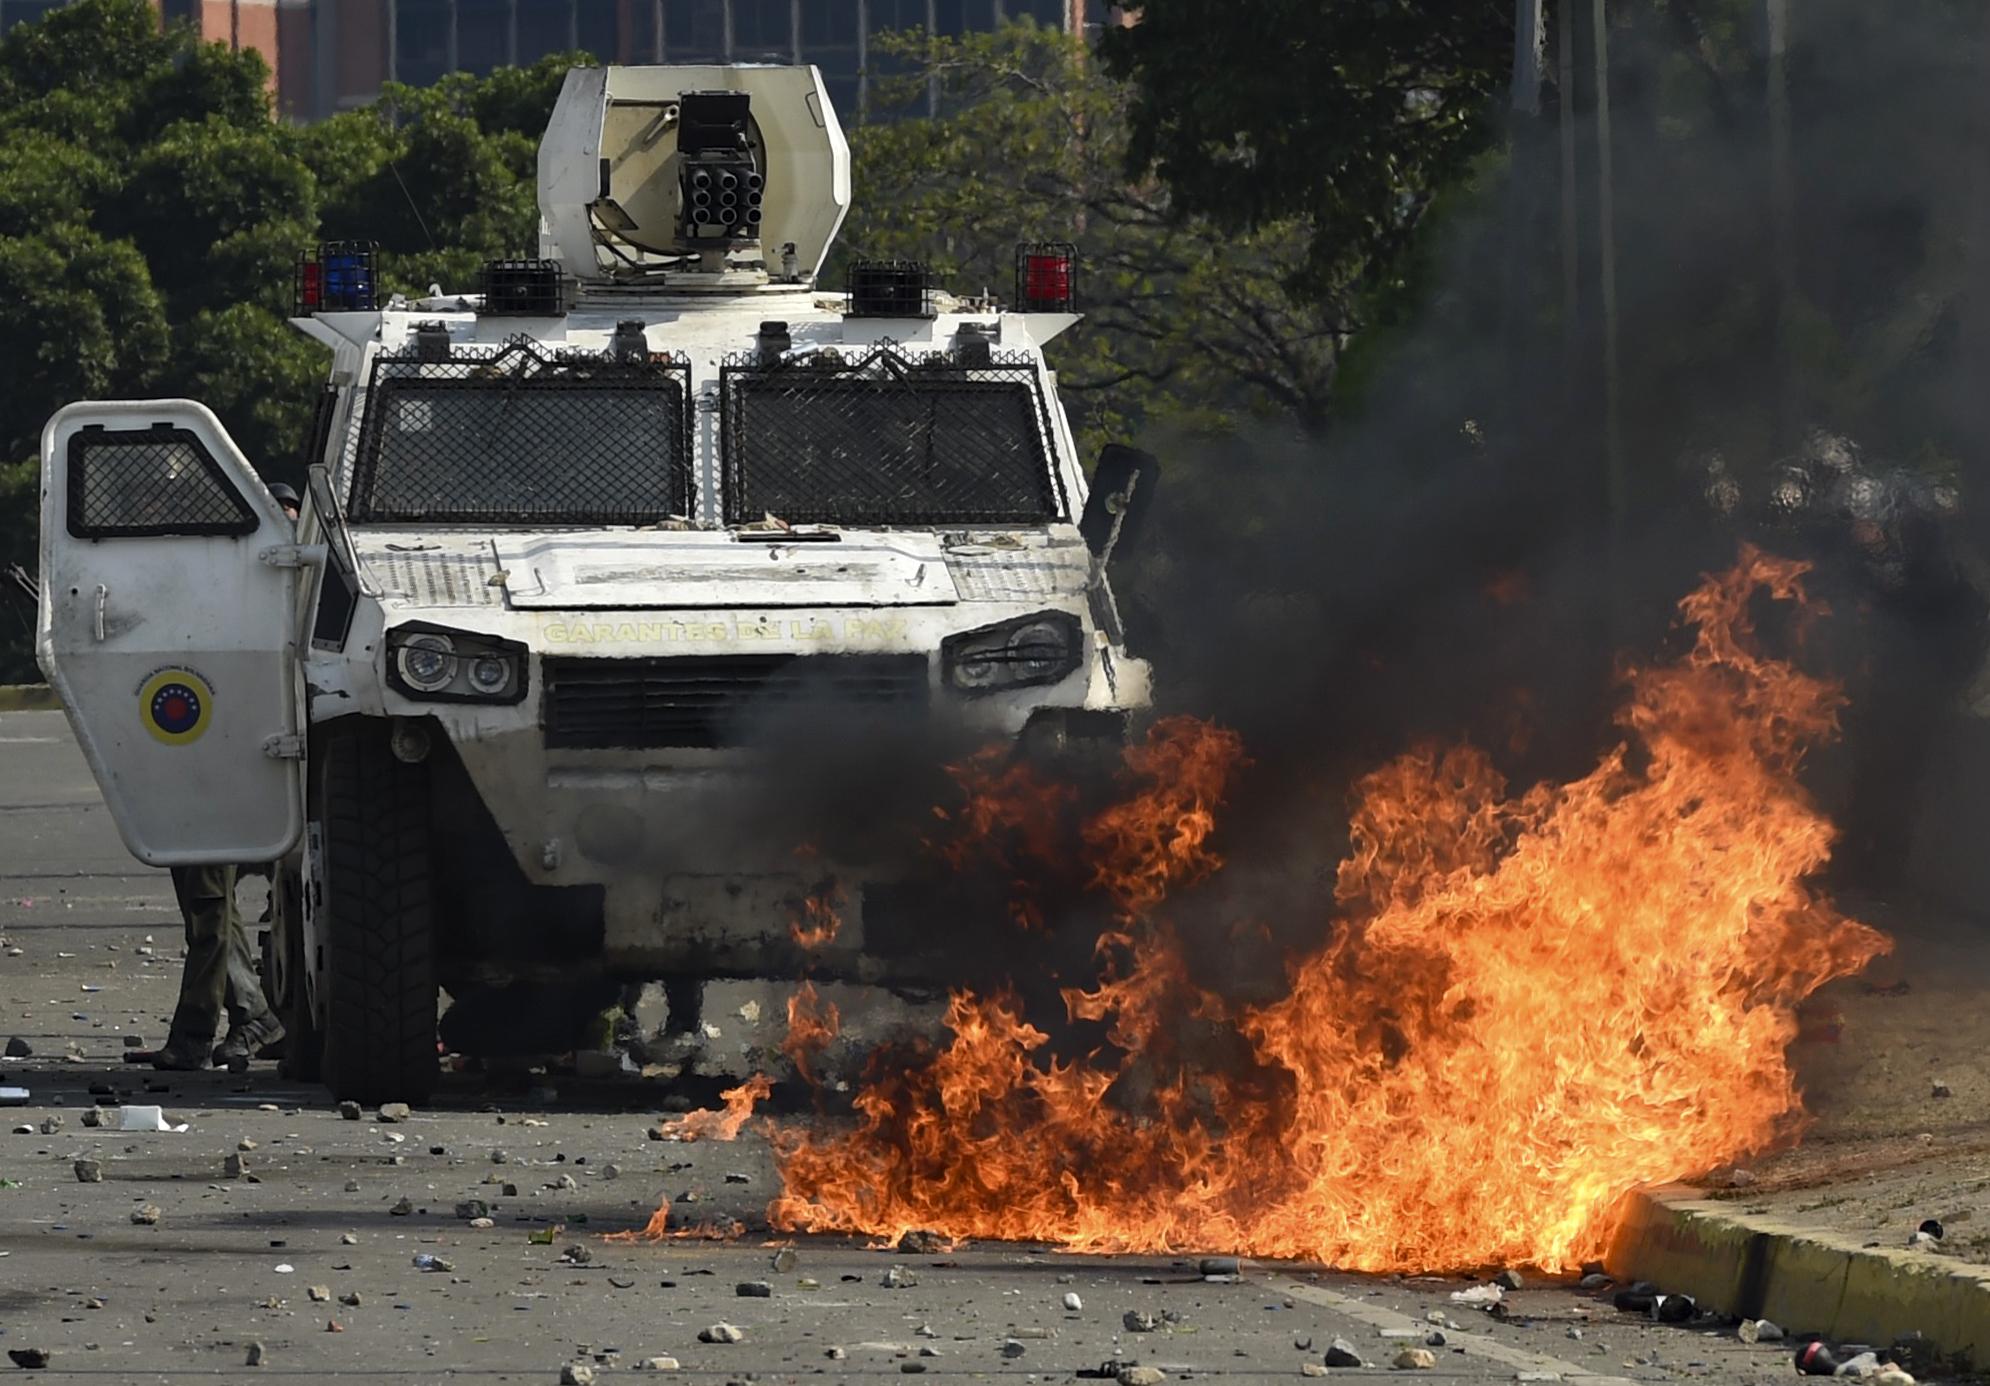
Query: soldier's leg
point(251, 1022)
point(207, 903)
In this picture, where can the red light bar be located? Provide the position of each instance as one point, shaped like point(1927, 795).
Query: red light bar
point(1047, 277)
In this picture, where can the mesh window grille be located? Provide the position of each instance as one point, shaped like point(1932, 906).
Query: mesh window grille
point(886, 439)
point(134, 482)
point(509, 435)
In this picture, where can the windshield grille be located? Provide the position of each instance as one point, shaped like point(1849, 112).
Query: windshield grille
point(887, 439)
point(507, 435)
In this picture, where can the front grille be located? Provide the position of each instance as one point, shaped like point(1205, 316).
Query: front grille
point(720, 700)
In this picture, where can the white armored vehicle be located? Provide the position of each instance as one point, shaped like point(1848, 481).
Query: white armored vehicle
point(590, 566)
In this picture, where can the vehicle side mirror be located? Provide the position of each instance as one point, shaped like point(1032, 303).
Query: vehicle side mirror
point(1122, 490)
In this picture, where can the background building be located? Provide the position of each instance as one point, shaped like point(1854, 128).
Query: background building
point(327, 55)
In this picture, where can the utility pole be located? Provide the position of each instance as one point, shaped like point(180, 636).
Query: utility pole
point(1523, 123)
point(1571, 228)
point(1617, 481)
point(1782, 213)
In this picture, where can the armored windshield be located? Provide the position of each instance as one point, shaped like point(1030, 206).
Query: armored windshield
point(507, 435)
point(887, 439)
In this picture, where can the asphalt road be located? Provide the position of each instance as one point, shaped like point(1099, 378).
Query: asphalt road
point(89, 950)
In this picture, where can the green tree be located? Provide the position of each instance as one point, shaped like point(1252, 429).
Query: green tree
point(1349, 115)
point(1188, 324)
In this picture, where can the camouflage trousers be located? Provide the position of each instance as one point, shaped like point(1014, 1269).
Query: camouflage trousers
point(220, 975)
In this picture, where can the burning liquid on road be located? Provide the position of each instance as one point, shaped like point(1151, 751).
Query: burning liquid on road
point(1528, 1004)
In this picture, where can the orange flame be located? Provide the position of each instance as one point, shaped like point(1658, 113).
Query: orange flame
point(820, 920)
point(1530, 1004)
point(813, 1025)
point(1008, 815)
point(725, 1124)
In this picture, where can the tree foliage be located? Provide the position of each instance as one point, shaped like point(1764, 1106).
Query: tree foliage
point(1189, 324)
point(151, 212)
point(1348, 115)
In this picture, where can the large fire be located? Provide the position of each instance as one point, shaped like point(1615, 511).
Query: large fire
point(1528, 1004)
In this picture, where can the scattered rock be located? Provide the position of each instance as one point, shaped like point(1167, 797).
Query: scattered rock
point(1311, 1369)
point(835, 1354)
point(577, 1374)
point(733, 1176)
point(394, 1111)
point(350, 1299)
point(89, 1172)
point(786, 1259)
point(428, 1261)
point(352, 1186)
point(473, 1208)
point(1072, 1304)
point(565, 1183)
point(348, 1239)
point(232, 1167)
point(1341, 1353)
point(1141, 1376)
point(919, 1242)
point(1921, 1241)
point(146, 1215)
point(254, 1357)
point(614, 1171)
point(402, 1207)
point(483, 1224)
point(50, 1125)
point(753, 1289)
point(898, 1278)
point(721, 1333)
point(18, 1048)
point(1508, 1279)
point(319, 1294)
point(1595, 1280)
point(93, 1116)
point(657, 1364)
point(1758, 1331)
point(1414, 1359)
point(1138, 1321)
point(1013, 1347)
point(349, 1110)
point(1940, 1089)
point(28, 1359)
point(576, 1255)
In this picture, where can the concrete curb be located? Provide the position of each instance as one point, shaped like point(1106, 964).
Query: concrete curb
point(1801, 1278)
point(20, 697)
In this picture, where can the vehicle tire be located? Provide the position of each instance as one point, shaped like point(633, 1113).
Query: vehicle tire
point(283, 979)
point(377, 928)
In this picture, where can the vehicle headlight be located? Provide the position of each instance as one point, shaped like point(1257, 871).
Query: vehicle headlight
point(1039, 649)
point(490, 674)
point(427, 662)
point(449, 666)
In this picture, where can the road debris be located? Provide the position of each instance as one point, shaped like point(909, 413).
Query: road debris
point(1479, 1296)
point(1341, 1353)
point(1138, 1321)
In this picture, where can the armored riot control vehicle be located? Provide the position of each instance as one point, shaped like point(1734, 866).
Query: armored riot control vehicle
point(589, 561)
